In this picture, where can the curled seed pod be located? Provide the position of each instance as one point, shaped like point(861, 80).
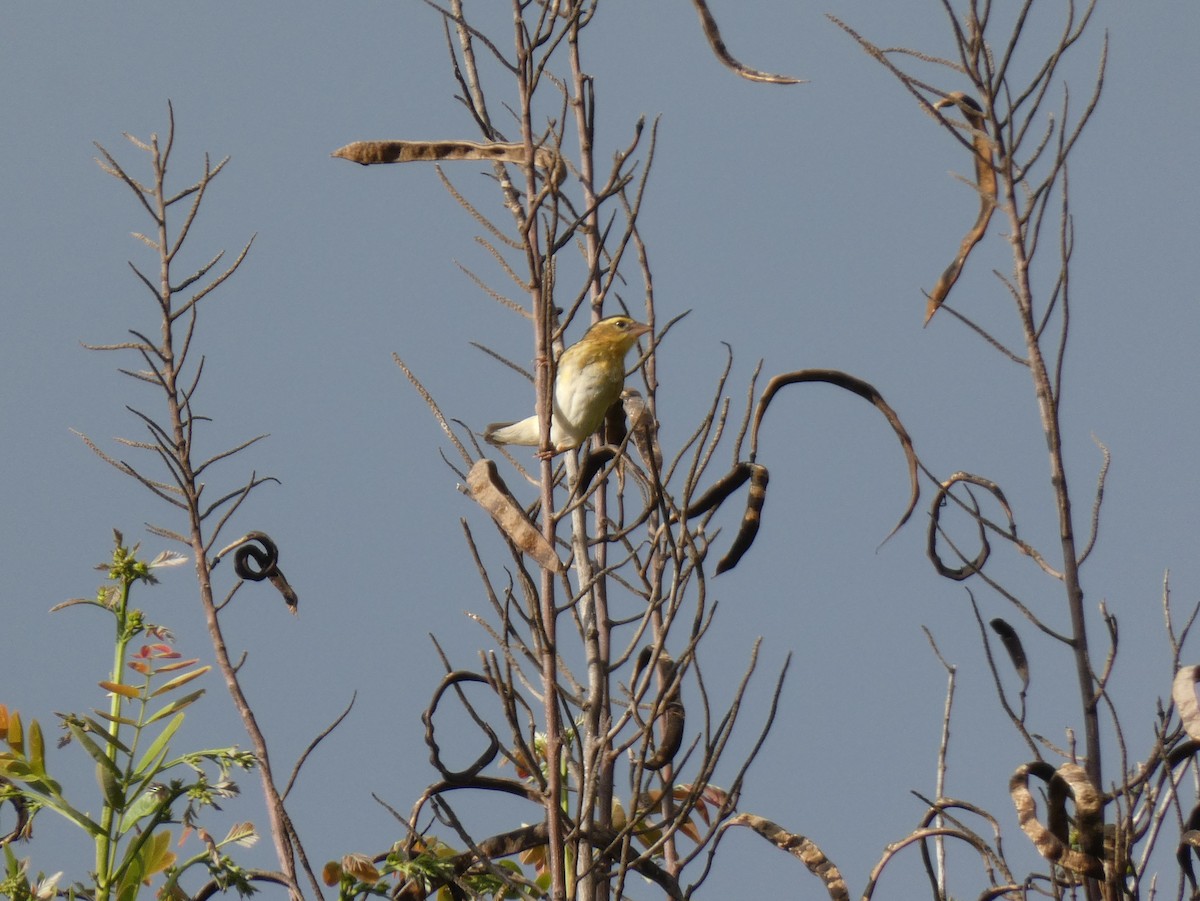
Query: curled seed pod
point(673, 717)
point(721, 489)
point(1189, 843)
point(1071, 781)
point(457, 777)
point(643, 426)
point(670, 706)
point(643, 659)
point(721, 52)
point(800, 846)
point(1016, 653)
point(266, 565)
point(856, 386)
point(985, 183)
point(971, 567)
point(751, 519)
point(615, 429)
point(266, 559)
point(1052, 839)
point(592, 464)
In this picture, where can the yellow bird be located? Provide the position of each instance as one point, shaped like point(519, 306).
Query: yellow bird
point(588, 380)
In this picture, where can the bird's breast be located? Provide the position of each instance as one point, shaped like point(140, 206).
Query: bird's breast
point(585, 389)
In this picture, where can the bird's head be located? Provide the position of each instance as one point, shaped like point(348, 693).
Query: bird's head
point(619, 333)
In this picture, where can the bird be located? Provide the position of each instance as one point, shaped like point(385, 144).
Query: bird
point(588, 380)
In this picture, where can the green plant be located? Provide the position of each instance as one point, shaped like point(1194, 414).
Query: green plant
point(140, 779)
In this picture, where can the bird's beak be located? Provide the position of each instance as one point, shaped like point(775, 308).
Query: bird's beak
point(640, 329)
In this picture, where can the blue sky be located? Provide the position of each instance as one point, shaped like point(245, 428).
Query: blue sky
point(798, 224)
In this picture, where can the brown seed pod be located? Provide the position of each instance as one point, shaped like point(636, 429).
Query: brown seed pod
point(1052, 839)
point(370, 153)
point(751, 519)
point(985, 183)
point(489, 491)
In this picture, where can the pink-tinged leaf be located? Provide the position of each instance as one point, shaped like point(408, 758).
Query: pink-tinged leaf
point(649, 800)
point(243, 834)
point(157, 652)
point(688, 828)
point(139, 666)
point(125, 691)
point(701, 805)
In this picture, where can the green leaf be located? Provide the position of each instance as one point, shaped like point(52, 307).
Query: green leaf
point(16, 770)
point(159, 748)
point(13, 768)
point(131, 878)
point(148, 768)
point(122, 720)
point(48, 794)
point(111, 786)
point(94, 749)
point(37, 748)
point(148, 802)
point(47, 786)
point(101, 732)
point(175, 705)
